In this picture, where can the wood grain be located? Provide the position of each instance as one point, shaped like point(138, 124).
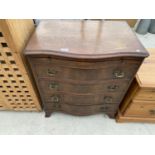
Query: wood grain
point(16, 90)
point(125, 119)
point(139, 102)
point(17, 32)
point(85, 39)
point(146, 73)
point(81, 59)
point(110, 110)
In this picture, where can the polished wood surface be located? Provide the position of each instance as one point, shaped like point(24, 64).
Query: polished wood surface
point(83, 68)
point(97, 87)
point(87, 74)
point(85, 39)
point(110, 110)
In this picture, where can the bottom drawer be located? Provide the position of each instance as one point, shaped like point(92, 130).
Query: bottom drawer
point(120, 118)
point(84, 100)
point(141, 110)
point(82, 110)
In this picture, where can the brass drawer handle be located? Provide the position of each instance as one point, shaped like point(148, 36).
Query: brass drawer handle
point(113, 87)
point(55, 99)
point(53, 85)
point(119, 74)
point(51, 72)
point(107, 99)
point(152, 112)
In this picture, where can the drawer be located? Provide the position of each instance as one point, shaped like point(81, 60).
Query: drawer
point(76, 99)
point(77, 74)
point(145, 94)
point(85, 65)
point(53, 86)
point(81, 110)
point(141, 110)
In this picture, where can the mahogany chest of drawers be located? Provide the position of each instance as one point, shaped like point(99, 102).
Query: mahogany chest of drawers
point(83, 67)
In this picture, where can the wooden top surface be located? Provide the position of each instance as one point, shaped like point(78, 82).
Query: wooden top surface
point(85, 39)
point(146, 74)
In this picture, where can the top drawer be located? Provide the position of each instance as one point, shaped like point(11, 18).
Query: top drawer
point(85, 64)
point(84, 71)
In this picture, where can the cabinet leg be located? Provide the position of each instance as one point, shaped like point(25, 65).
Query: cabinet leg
point(112, 116)
point(48, 113)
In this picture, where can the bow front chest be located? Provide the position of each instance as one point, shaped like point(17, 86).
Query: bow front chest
point(83, 67)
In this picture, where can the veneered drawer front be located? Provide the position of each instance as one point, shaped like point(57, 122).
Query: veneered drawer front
point(76, 99)
point(141, 110)
point(81, 110)
point(53, 86)
point(86, 65)
point(77, 74)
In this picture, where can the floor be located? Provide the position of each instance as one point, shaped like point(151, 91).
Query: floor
point(35, 123)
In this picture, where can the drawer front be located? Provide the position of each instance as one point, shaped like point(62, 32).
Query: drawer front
point(77, 74)
point(83, 71)
point(75, 99)
point(54, 86)
point(141, 110)
point(82, 110)
point(85, 65)
point(146, 94)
